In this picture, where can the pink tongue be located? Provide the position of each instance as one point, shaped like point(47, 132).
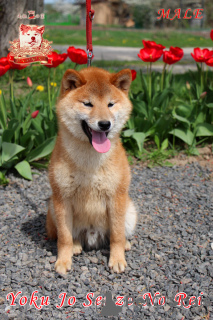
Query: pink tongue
point(100, 142)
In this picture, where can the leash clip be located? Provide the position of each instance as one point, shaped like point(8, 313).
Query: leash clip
point(89, 57)
point(91, 15)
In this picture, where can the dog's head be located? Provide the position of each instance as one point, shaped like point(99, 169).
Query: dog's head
point(30, 36)
point(94, 105)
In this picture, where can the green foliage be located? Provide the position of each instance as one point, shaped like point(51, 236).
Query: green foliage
point(24, 139)
point(165, 111)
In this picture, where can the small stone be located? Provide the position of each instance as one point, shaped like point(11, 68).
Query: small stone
point(185, 280)
point(166, 308)
point(84, 268)
point(1, 300)
point(52, 259)
point(93, 259)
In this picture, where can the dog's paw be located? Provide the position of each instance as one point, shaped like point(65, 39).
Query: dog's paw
point(77, 248)
point(127, 245)
point(62, 266)
point(117, 265)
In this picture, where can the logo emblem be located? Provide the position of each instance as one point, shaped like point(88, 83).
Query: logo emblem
point(30, 47)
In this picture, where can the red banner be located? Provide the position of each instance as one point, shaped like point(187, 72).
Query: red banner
point(31, 59)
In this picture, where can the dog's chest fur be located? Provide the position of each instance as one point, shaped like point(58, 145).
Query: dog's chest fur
point(89, 193)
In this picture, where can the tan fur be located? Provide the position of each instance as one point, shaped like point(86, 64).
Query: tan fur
point(90, 198)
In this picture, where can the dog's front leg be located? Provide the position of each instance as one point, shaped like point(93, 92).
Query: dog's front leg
point(64, 221)
point(117, 234)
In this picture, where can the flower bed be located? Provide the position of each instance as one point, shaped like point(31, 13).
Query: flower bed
point(164, 111)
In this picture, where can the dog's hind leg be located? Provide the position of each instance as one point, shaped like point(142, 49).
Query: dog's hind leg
point(130, 222)
point(77, 247)
point(50, 225)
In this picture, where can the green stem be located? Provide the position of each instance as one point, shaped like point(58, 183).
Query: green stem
point(75, 66)
point(202, 77)
point(150, 81)
point(162, 77)
point(147, 73)
point(11, 76)
point(173, 142)
point(49, 96)
point(141, 78)
point(207, 69)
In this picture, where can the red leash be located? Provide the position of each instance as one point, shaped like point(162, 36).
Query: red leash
point(89, 18)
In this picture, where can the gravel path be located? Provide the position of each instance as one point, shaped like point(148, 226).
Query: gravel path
point(172, 251)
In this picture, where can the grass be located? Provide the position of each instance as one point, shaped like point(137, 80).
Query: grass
point(128, 38)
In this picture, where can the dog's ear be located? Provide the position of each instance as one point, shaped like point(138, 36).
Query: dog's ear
point(23, 28)
point(71, 80)
point(122, 80)
point(41, 29)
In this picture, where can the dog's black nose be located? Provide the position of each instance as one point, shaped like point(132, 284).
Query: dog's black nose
point(104, 125)
point(33, 38)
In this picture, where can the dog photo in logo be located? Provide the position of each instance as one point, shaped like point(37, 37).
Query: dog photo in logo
point(30, 36)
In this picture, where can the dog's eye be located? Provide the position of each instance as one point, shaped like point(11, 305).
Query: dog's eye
point(88, 104)
point(111, 104)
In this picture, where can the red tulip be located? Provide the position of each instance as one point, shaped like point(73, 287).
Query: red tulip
point(152, 45)
point(134, 73)
point(4, 69)
point(201, 55)
point(78, 56)
point(29, 82)
point(4, 66)
point(56, 58)
point(211, 34)
point(202, 96)
point(178, 52)
point(172, 56)
point(210, 62)
point(4, 61)
point(34, 114)
point(150, 55)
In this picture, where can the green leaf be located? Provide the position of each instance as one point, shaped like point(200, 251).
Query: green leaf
point(24, 107)
point(13, 109)
point(36, 123)
point(3, 112)
point(164, 144)
point(128, 132)
point(27, 137)
point(184, 110)
point(13, 124)
point(24, 169)
point(26, 124)
point(200, 118)
point(140, 107)
point(204, 129)
point(43, 150)
point(209, 105)
point(139, 137)
point(181, 119)
point(40, 165)
point(9, 150)
point(130, 123)
point(7, 135)
point(184, 134)
point(157, 141)
point(3, 179)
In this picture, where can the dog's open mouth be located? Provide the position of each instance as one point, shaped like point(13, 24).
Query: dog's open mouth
point(98, 139)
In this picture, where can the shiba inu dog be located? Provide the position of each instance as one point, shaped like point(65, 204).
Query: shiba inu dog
point(89, 172)
point(30, 36)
